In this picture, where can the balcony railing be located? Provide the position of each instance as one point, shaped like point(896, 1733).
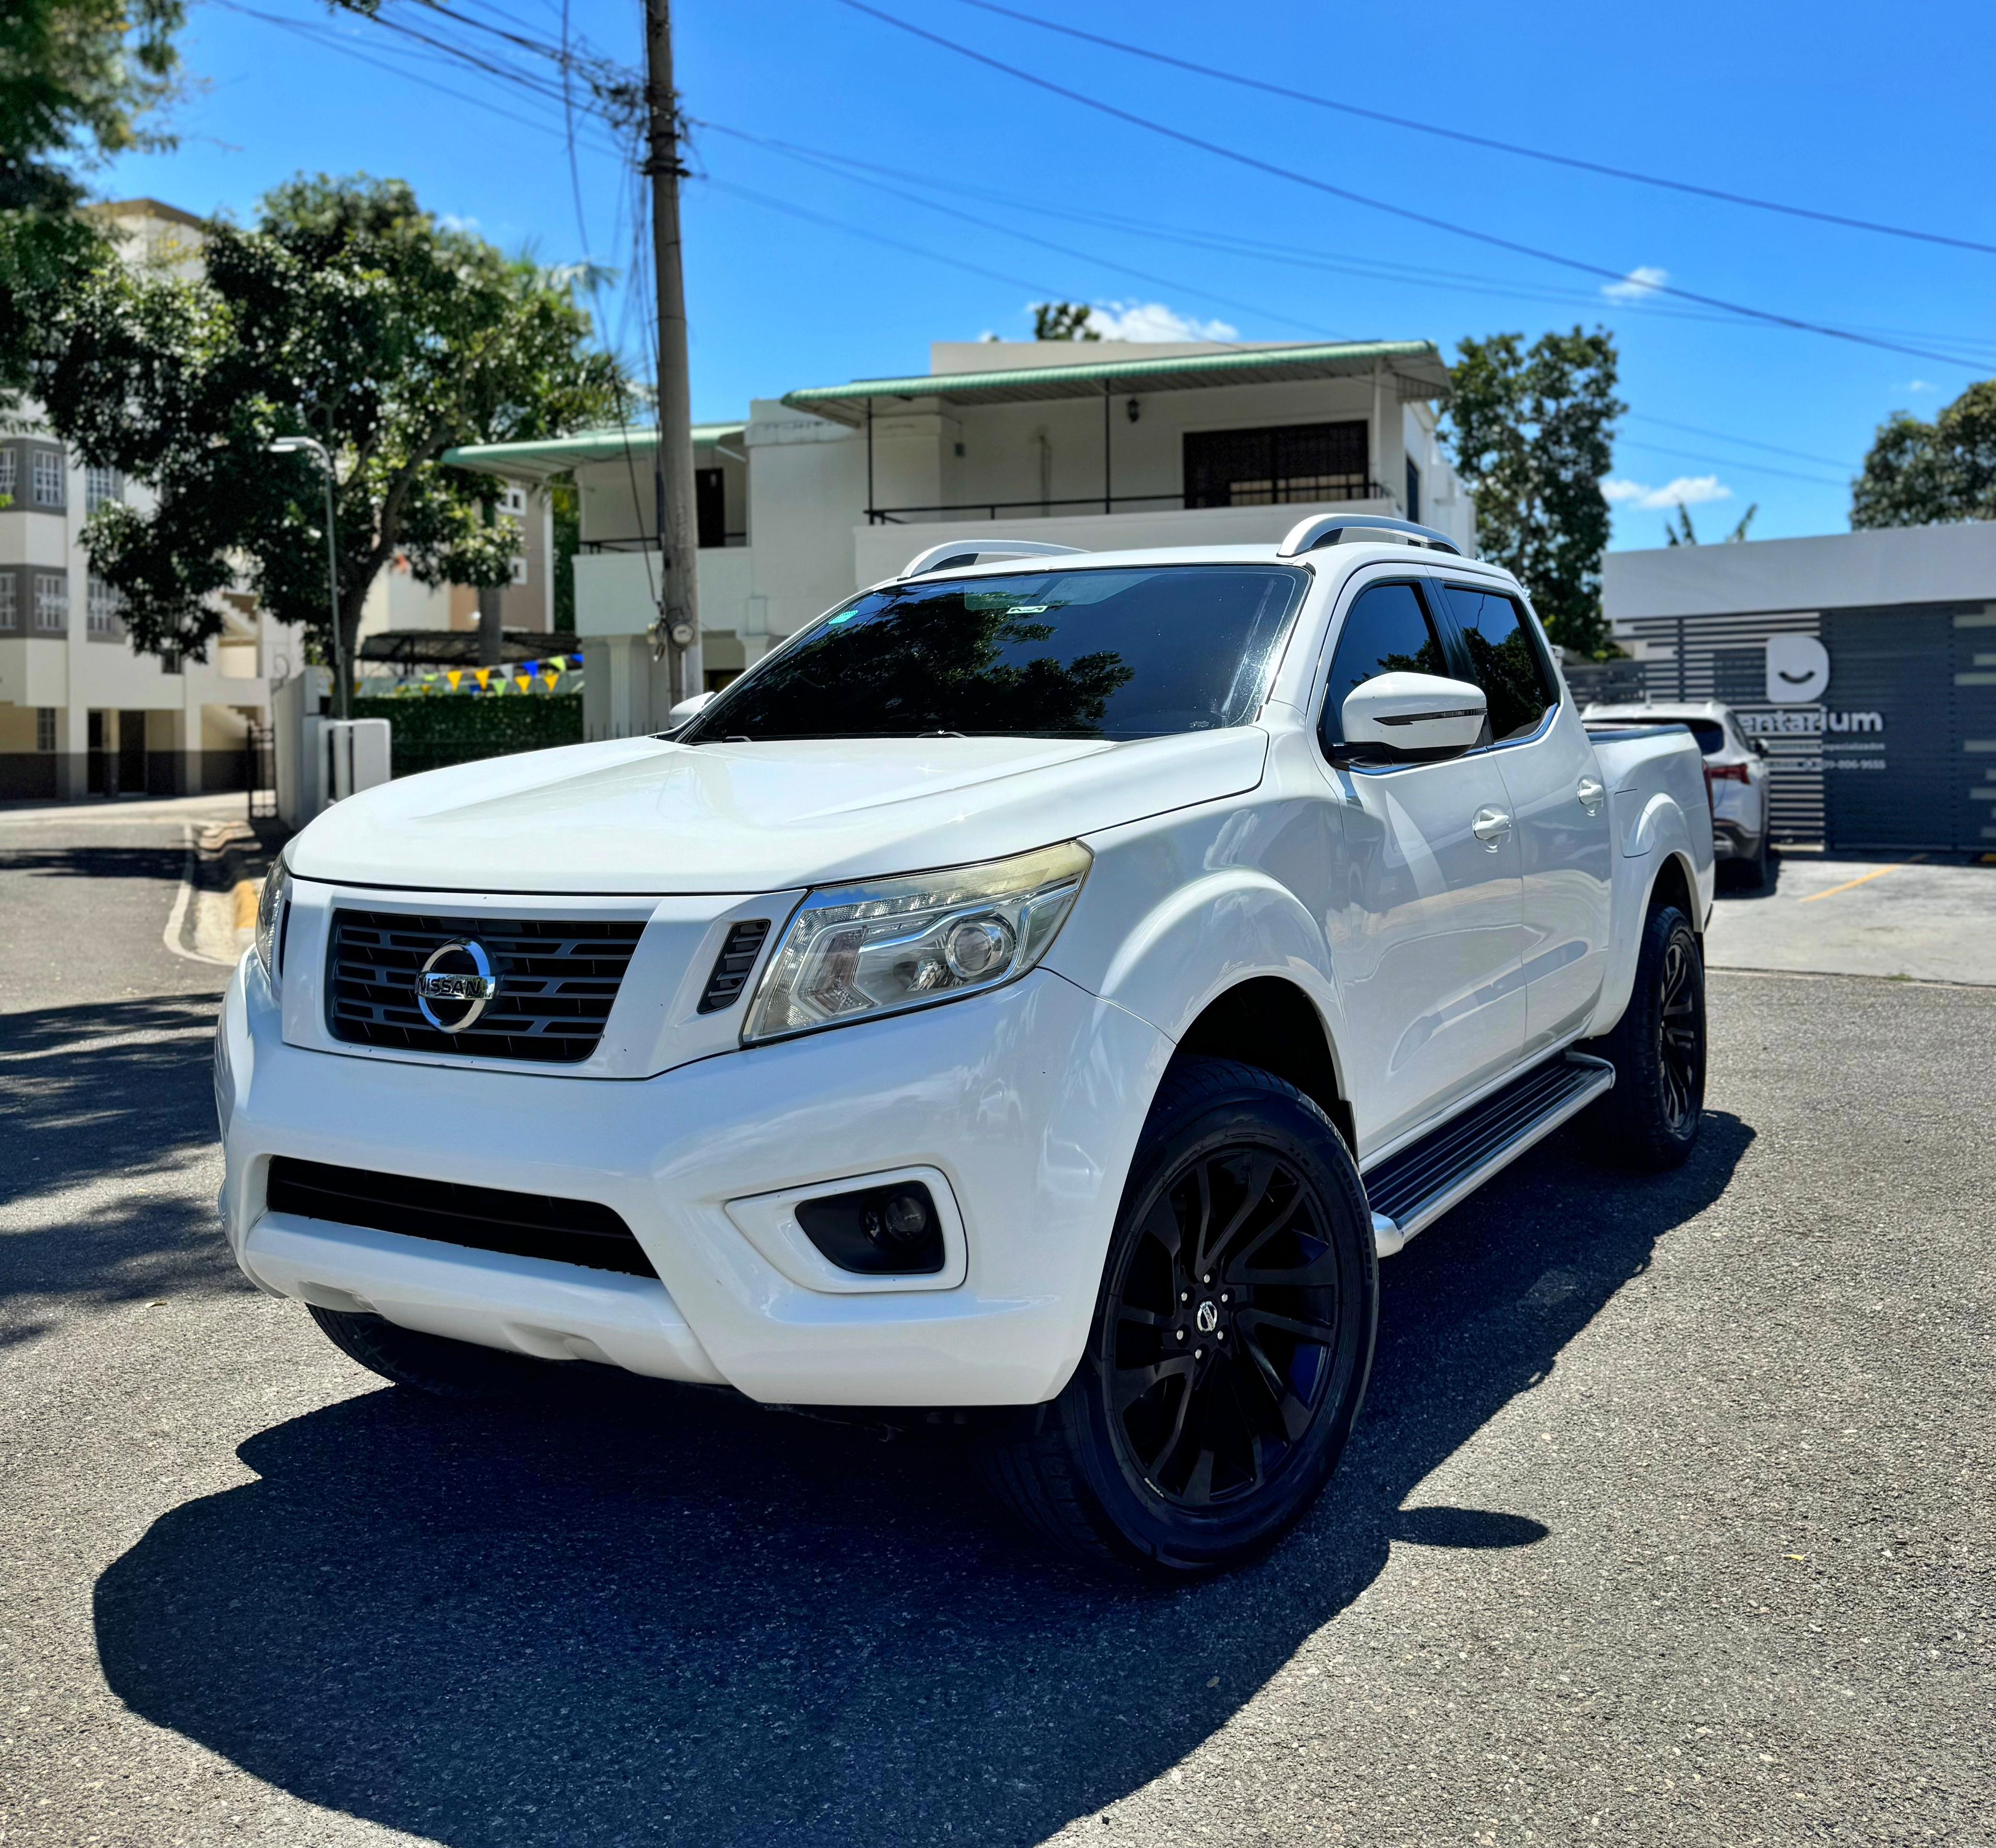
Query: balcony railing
point(991, 510)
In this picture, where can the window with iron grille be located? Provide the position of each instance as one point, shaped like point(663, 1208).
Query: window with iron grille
point(45, 727)
point(48, 477)
point(104, 603)
point(51, 603)
point(101, 485)
point(1270, 467)
point(7, 471)
point(10, 608)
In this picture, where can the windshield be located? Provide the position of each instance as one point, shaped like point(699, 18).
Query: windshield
point(1070, 654)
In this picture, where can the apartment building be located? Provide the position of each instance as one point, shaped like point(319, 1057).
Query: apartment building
point(80, 713)
point(1100, 445)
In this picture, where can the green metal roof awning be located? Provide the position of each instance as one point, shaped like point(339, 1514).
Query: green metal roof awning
point(553, 456)
point(1418, 364)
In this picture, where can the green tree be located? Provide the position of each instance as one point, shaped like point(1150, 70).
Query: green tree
point(1922, 474)
point(1532, 433)
point(1063, 321)
point(345, 314)
point(79, 81)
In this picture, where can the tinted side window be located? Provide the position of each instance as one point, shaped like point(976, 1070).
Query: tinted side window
point(1518, 684)
point(1386, 631)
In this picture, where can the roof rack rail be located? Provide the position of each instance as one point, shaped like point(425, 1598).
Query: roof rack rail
point(953, 555)
point(1356, 529)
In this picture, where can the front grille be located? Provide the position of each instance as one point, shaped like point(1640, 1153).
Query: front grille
point(557, 977)
point(485, 1218)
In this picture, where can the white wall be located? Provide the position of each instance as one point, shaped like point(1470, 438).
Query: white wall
point(1843, 570)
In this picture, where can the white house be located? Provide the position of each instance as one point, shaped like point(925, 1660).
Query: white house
point(1094, 444)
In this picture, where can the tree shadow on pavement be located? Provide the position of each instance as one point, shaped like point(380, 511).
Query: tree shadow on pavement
point(166, 864)
point(116, 1098)
point(657, 1614)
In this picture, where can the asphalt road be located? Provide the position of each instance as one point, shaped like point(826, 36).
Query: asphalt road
point(1667, 1521)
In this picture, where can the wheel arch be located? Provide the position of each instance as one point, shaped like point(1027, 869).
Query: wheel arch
point(1271, 1023)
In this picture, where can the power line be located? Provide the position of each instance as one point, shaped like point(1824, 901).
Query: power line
point(1150, 125)
point(1287, 255)
point(329, 39)
point(1484, 141)
point(1710, 462)
point(893, 243)
point(825, 160)
point(1195, 290)
point(1665, 423)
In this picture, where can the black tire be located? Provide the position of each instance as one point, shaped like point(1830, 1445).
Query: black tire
point(1170, 1454)
point(432, 1364)
point(1658, 1049)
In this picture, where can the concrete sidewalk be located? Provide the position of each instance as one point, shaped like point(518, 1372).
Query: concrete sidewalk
point(1903, 919)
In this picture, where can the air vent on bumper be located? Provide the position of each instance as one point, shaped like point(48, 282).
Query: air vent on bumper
point(482, 1219)
point(732, 967)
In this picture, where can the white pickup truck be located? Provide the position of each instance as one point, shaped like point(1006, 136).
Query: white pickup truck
point(1042, 988)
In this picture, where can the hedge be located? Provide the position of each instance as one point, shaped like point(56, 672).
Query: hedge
point(426, 733)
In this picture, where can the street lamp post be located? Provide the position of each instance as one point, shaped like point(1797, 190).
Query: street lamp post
point(294, 445)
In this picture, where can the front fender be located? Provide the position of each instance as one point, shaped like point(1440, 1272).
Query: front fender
point(1206, 936)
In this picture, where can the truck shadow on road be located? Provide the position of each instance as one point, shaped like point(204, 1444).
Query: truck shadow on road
point(651, 1615)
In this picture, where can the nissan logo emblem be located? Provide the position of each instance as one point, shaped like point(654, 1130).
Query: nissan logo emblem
point(456, 987)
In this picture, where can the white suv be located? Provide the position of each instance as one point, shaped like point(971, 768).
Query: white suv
point(1043, 988)
point(1735, 775)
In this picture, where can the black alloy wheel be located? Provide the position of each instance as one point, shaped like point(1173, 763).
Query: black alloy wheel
point(1681, 1035)
point(1658, 1050)
point(1222, 1329)
point(1231, 1343)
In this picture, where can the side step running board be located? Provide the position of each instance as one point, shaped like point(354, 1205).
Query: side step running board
point(1411, 1190)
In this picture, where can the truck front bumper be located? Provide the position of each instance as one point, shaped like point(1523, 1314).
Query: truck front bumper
point(1027, 1101)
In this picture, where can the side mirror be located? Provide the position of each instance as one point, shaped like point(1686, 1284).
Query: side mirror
point(1760, 749)
point(675, 720)
point(1408, 717)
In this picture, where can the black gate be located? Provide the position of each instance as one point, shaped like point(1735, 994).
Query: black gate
point(259, 772)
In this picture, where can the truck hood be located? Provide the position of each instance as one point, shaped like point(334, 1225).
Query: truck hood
point(646, 815)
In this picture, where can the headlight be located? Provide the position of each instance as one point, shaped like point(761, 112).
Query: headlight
point(271, 903)
point(855, 952)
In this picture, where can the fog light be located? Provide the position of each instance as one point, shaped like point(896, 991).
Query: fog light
point(877, 1231)
point(907, 1218)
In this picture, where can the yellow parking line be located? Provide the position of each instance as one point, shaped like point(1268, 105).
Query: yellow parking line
point(1862, 879)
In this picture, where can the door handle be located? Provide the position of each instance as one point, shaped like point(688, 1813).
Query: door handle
point(1490, 826)
point(1590, 792)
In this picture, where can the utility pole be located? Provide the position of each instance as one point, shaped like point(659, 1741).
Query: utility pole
point(677, 630)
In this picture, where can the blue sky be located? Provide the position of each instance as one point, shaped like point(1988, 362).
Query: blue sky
point(798, 273)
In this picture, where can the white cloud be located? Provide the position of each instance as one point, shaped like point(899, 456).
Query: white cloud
point(1645, 280)
point(450, 221)
point(1153, 321)
point(1921, 385)
point(1686, 491)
